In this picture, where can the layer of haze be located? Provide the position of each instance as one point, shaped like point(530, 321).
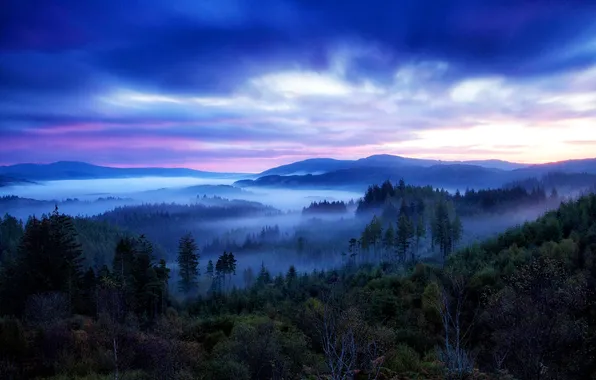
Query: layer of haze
point(134, 191)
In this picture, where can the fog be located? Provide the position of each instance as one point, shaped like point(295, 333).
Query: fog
point(323, 237)
point(91, 189)
point(291, 199)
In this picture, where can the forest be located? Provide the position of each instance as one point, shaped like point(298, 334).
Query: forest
point(405, 295)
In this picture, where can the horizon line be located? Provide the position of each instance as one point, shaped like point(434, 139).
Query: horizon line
point(174, 166)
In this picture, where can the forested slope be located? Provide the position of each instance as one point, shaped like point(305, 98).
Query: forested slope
point(517, 305)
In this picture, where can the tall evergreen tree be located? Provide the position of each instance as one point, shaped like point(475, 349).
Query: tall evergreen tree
point(445, 231)
point(210, 268)
point(123, 261)
point(210, 274)
point(291, 276)
point(67, 248)
point(389, 239)
point(375, 233)
point(163, 274)
point(405, 232)
point(188, 263)
point(264, 275)
point(420, 232)
point(49, 259)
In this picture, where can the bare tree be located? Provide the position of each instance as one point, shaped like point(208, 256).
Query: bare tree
point(375, 360)
point(110, 305)
point(457, 360)
point(338, 338)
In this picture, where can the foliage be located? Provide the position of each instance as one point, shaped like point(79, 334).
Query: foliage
point(518, 304)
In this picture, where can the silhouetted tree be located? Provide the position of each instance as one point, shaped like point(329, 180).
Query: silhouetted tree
point(188, 263)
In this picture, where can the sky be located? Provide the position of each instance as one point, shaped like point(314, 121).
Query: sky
point(238, 85)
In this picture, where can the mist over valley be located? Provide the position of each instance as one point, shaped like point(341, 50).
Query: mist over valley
point(312, 222)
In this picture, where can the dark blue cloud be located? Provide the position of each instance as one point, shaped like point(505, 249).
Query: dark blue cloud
point(212, 46)
point(61, 62)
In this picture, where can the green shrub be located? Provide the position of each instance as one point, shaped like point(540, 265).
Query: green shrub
point(403, 359)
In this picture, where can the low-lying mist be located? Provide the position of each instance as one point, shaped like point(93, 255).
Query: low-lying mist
point(90, 189)
point(93, 194)
point(260, 225)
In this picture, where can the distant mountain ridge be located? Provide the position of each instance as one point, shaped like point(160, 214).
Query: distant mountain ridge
point(63, 170)
point(324, 165)
point(448, 176)
point(375, 169)
point(322, 172)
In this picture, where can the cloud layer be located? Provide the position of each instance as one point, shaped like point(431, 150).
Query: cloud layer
point(236, 85)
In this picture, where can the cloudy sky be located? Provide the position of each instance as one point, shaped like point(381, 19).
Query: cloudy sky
point(243, 85)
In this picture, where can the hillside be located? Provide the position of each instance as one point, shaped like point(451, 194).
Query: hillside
point(79, 170)
point(324, 165)
point(448, 176)
point(514, 306)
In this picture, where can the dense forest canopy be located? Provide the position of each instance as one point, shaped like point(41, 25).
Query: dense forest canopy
point(406, 297)
point(326, 207)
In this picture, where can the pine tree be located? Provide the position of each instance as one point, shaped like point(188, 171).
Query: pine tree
point(123, 272)
point(211, 276)
point(376, 233)
point(63, 237)
point(219, 273)
point(124, 256)
point(264, 275)
point(188, 264)
point(456, 232)
point(445, 232)
point(389, 239)
point(209, 271)
point(229, 266)
point(163, 274)
point(420, 232)
point(291, 276)
point(405, 232)
point(146, 283)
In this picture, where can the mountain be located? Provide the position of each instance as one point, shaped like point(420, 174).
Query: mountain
point(330, 173)
point(79, 170)
point(310, 166)
point(496, 164)
point(325, 165)
point(448, 176)
point(570, 166)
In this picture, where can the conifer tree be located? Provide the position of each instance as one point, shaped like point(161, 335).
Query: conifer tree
point(389, 239)
point(124, 256)
point(219, 273)
point(420, 232)
point(264, 275)
point(209, 273)
point(210, 268)
point(405, 232)
point(445, 232)
point(375, 233)
point(188, 263)
point(291, 276)
point(163, 274)
point(63, 240)
point(353, 250)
